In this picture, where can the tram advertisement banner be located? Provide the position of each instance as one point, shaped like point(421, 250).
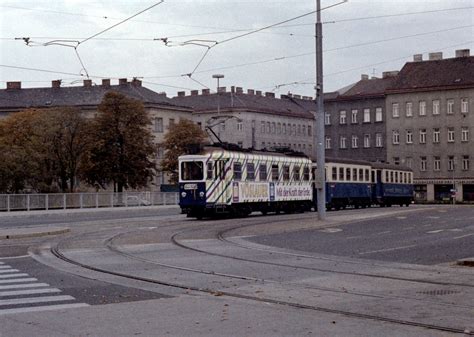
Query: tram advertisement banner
point(250, 192)
point(255, 192)
point(293, 192)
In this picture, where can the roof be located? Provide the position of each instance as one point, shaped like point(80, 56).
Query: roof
point(237, 102)
point(77, 96)
point(449, 73)
point(365, 88)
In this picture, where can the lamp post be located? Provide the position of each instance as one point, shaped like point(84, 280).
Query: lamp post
point(218, 77)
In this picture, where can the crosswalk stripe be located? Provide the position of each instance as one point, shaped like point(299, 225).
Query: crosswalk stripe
point(18, 280)
point(5, 267)
point(4, 271)
point(29, 285)
point(29, 292)
point(31, 300)
point(43, 308)
point(13, 275)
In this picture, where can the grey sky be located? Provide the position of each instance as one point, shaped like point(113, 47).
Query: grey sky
point(110, 55)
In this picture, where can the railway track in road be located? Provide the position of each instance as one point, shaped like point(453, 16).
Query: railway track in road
point(220, 235)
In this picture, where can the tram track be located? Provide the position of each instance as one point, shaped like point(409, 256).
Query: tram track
point(109, 243)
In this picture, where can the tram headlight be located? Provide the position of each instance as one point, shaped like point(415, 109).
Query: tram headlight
point(201, 194)
point(183, 194)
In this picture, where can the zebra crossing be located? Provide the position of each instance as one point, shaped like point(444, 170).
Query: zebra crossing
point(19, 292)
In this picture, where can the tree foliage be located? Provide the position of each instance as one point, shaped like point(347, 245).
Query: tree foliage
point(181, 138)
point(122, 150)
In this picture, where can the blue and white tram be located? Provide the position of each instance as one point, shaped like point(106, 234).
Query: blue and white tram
point(392, 185)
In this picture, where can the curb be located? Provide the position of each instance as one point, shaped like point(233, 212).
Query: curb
point(29, 233)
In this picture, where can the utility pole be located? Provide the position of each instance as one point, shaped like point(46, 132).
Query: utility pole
point(319, 116)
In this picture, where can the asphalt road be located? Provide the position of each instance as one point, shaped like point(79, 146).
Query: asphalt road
point(426, 237)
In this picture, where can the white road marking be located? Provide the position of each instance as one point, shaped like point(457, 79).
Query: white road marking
point(5, 267)
point(433, 217)
point(19, 280)
point(331, 230)
point(2, 263)
point(29, 292)
point(31, 300)
point(455, 230)
point(14, 257)
point(4, 271)
point(435, 231)
point(13, 275)
point(43, 308)
point(463, 236)
point(19, 286)
point(386, 232)
point(387, 249)
point(401, 217)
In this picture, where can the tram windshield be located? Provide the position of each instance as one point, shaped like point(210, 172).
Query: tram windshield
point(192, 170)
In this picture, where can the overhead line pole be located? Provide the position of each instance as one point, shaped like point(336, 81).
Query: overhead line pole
point(319, 117)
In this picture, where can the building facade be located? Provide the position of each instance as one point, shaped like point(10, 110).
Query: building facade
point(430, 125)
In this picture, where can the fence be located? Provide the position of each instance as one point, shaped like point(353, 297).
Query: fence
point(29, 202)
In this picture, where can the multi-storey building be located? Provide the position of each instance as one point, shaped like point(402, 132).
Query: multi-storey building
point(430, 124)
point(253, 119)
point(355, 119)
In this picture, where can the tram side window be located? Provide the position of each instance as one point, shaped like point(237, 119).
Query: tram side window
point(367, 175)
point(237, 171)
point(306, 173)
point(286, 172)
point(210, 170)
point(262, 172)
point(391, 177)
point(296, 173)
point(275, 173)
point(354, 174)
point(250, 171)
point(341, 173)
point(348, 174)
point(387, 177)
point(334, 173)
point(361, 174)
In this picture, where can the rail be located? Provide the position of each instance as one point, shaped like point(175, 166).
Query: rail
point(30, 202)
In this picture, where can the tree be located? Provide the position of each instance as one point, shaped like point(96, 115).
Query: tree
point(122, 149)
point(181, 139)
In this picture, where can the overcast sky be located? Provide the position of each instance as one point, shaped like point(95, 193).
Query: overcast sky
point(270, 60)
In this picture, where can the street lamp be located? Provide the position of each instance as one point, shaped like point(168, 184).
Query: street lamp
point(218, 77)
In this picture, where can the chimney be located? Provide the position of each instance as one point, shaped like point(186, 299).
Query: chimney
point(435, 56)
point(289, 94)
point(239, 90)
point(364, 77)
point(463, 53)
point(56, 84)
point(221, 89)
point(87, 83)
point(418, 58)
point(106, 82)
point(194, 92)
point(122, 81)
point(232, 89)
point(136, 82)
point(250, 92)
point(297, 96)
point(181, 93)
point(258, 93)
point(270, 94)
point(206, 91)
point(13, 85)
point(387, 74)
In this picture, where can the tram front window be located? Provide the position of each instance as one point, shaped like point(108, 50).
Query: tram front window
point(192, 170)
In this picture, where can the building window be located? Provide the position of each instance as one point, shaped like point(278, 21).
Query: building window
point(465, 163)
point(409, 136)
point(171, 122)
point(464, 105)
point(273, 128)
point(354, 116)
point(279, 128)
point(436, 107)
point(268, 128)
point(395, 111)
point(378, 115)
point(158, 124)
point(396, 160)
point(378, 140)
point(422, 136)
point(464, 134)
point(283, 128)
point(294, 130)
point(263, 145)
point(342, 117)
point(395, 137)
point(327, 118)
point(303, 128)
point(436, 133)
point(450, 135)
point(450, 106)
point(355, 142)
point(262, 127)
point(409, 109)
point(366, 141)
point(310, 131)
point(239, 126)
point(328, 143)
point(366, 115)
point(422, 164)
point(342, 142)
point(409, 162)
point(422, 110)
point(437, 163)
point(450, 163)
